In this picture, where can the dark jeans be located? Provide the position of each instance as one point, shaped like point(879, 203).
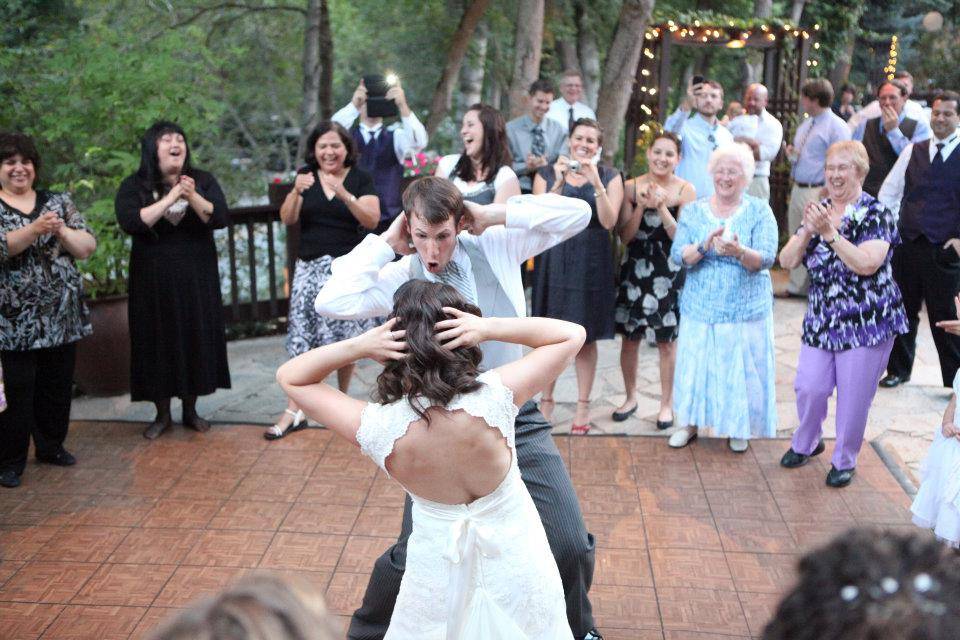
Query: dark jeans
point(38, 384)
point(546, 477)
point(926, 274)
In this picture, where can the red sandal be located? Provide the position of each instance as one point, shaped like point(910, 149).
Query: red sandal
point(581, 429)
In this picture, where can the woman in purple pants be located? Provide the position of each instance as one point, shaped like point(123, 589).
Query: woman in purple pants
point(853, 314)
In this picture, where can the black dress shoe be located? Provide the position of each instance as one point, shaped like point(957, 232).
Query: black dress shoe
point(890, 381)
point(61, 457)
point(9, 479)
point(664, 424)
point(791, 459)
point(620, 416)
point(839, 477)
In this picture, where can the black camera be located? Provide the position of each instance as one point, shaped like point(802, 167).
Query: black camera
point(378, 106)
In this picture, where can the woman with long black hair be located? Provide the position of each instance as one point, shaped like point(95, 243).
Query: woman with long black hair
point(177, 341)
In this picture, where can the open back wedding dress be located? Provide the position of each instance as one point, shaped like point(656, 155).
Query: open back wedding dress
point(477, 571)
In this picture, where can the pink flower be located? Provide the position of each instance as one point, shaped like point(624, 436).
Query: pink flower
point(277, 181)
point(416, 172)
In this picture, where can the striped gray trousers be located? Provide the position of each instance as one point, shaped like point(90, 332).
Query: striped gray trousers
point(546, 477)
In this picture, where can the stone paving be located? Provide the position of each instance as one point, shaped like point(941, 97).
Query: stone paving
point(902, 420)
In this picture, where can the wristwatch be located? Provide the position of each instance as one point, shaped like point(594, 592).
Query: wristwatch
point(836, 236)
point(700, 249)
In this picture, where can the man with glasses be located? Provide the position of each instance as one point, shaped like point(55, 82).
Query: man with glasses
point(567, 109)
point(700, 134)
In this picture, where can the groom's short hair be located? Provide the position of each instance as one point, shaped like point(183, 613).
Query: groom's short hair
point(434, 199)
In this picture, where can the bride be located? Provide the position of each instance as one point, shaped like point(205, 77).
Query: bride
point(478, 563)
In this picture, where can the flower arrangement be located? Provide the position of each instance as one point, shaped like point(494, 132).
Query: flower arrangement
point(282, 177)
point(422, 163)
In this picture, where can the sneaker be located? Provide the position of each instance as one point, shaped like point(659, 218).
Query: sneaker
point(738, 445)
point(683, 437)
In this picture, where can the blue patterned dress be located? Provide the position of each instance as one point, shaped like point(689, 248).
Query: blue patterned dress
point(725, 372)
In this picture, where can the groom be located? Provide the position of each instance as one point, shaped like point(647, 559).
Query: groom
point(484, 266)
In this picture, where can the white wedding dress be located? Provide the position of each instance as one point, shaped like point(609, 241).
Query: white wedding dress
point(478, 571)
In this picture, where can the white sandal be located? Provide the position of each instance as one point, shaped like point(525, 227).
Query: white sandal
point(299, 422)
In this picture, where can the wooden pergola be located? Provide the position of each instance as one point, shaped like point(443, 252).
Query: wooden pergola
point(786, 53)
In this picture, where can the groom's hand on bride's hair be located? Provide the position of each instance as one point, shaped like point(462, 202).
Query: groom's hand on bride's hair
point(383, 343)
point(462, 330)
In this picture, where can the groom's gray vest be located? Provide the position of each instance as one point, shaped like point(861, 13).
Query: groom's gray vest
point(492, 300)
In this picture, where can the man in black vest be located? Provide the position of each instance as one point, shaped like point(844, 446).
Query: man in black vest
point(382, 149)
point(925, 185)
point(885, 137)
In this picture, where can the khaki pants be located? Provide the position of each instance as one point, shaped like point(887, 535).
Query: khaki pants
point(760, 187)
point(799, 197)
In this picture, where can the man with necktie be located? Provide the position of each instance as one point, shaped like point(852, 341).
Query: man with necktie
point(535, 140)
point(567, 109)
point(924, 188)
point(383, 149)
point(478, 249)
point(808, 153)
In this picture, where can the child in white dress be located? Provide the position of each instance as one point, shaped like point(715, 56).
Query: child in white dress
point(937, 504)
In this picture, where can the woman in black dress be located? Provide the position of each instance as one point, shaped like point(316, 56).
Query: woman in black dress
point(177, 342)
point(647, 301)
point(336, 204)
point(575, 280)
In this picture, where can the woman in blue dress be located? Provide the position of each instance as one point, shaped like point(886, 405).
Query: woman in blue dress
point(725, 360)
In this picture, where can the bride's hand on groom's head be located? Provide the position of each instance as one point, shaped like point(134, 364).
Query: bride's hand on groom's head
point(462, 330)
point(383, 343)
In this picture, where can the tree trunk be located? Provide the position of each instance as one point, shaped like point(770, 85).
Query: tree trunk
point(471, 77)
point(527, 45)
point(589, 55)
point(567, 53)
point(310, 104)
point(622, 58)
point(796, 12)
point(753, 62)
point(841, 69)
point(442, 95)
point(326, 62)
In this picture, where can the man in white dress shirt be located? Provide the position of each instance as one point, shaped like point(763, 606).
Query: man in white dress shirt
point(382, 150)
point(478, 249)
point(763, 133)
point(911, 108)
point(567, 109)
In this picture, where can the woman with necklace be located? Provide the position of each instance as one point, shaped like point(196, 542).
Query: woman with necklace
point(178, 346)
point(336, 204)
point(42, 314)
point(650, 283)
point(854, 310)
point(725, 369)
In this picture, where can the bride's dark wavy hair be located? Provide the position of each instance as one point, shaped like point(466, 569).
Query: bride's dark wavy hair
point(430, 375)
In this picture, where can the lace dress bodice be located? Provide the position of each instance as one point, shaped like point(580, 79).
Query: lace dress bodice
point(477, 571)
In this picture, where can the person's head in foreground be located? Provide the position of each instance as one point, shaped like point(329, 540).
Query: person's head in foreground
point(434, 208)
point(867, 585)
point(731, 166)
point(430, 370)
point(260, 607)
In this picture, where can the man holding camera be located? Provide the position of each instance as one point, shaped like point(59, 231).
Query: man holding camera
point(383, 149)
point(700, 133)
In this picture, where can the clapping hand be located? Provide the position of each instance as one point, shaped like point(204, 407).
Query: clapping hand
point(730, 247)
point(398, 237)
point(188, 186)
point(535, 162)
point(334, 183)
point(48, 223)
point(817, 216)
point(383, 343)
point(952, 326)
point(463, 330)
point(710, 240)
point(303, 182)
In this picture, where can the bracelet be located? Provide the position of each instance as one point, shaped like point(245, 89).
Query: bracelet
point(701, 250)
point(597, 192)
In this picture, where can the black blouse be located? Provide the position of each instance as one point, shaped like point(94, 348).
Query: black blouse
point(327, 228)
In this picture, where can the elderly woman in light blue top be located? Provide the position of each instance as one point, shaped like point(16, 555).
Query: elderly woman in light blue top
point(725, 361)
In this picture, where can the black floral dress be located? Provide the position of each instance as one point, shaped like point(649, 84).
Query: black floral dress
point(650, 282)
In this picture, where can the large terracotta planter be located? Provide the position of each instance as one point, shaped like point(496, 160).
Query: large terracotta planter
point(103, 358)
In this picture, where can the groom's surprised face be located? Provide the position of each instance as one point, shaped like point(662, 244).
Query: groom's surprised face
point(434, 243)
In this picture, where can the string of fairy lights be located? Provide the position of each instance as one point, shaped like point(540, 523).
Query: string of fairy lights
point(891, 67)
point(727, 35)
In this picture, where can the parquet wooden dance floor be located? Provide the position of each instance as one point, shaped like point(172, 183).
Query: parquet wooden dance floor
point(691, 544)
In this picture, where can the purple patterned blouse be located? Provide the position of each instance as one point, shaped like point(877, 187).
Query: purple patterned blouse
point(846, 310)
